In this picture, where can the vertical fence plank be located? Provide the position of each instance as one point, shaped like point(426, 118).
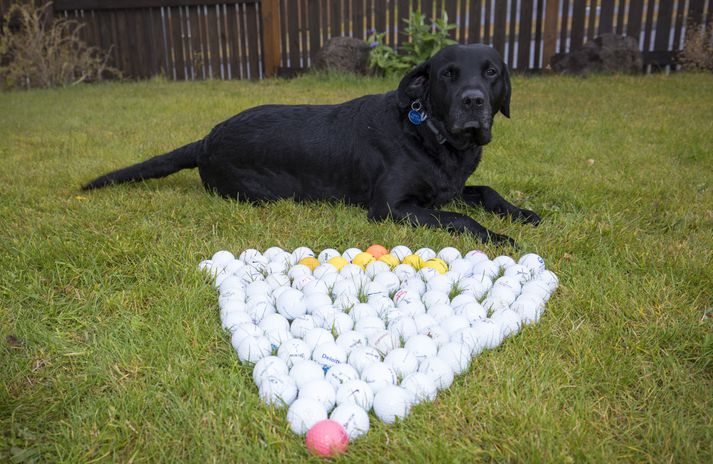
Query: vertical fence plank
point(270, 16)
point(314, 27)
point(499, 25)
point(606, 17)
point(619, 17)
point(648, 27)
point(633, 23)
point(252, 19)
point(381, 7)
point(578, 19)
point(474, 24)
point(591, 19)
point(451, 9)
point(512, 33)
point(525, 35)
point(292, 27)
point(403, 13)
point(550, 35)
point(564, 29)
point(539, 21)
point(678, 26)
point(663, 29)
point(488, 24)
point(358, 19)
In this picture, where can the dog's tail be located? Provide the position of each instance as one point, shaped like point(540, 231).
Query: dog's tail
point(159, 166)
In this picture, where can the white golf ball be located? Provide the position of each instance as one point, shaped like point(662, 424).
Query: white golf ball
point(519, 272)
point(291, 304)
point(537, 288)
point(503, 261)
point(509, 321)
point(402, 361)
point(354, 419)
point(301, 325)
point(470, 338)
point(415, 285)
point(275, 330)
point(324, 269)
point(425, 253)
point(368, 325)
point(253, 349)
point(440, 283)
point(438, 371)
point(362, 310)
point(440, 312)
point(439, 335)
point(392, 402)
point(454, 323)
point(356, 392)
point(529, 309)
point(456, 355)
point(403, 327)
point(304, 413)
point(475, 256)
point(495, 303)
point(421, 387)
point(449, 254)
point(351, 339)
point(550, 278)
point(299, 270)
point(475, 286)
point(424, 322)
point(277, 280)
point(304, 372)
point(244, 331)
point(316, 337)
point(384, 341)
point(301, 253)
point(269, 366)
point(400, 252)
point(362, 356)
point(533, 262)
point(346, 302)
point(293, 351)
point(378, 375)
point(321, 391)
point(489, 332)
point(462, 267)
point(422, 347)
point(340, 374)
point(462, 300)
point(427, 273)
point(350, 253)
point(278, 391)
point(272, 252)
point(375, 289)
point(434, 297)
point(221, 258)
point(487, 269)
point(279, 268)
point(231, 320)
point(412, 309)
point(350, 271)
point(257, 310)
point(388, 280)
point(329, 354)
point(502, 293)
point(377, 267)
point(327, 254)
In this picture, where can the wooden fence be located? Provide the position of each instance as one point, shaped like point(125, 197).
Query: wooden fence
point(251, 39)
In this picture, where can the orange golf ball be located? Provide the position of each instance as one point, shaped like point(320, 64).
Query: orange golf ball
point(311, 262)
point(377, 251)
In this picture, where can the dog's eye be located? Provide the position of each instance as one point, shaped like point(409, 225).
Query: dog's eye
point(449, 73)
point(491, 72)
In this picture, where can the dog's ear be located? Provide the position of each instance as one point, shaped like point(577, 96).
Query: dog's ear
point(414, 85)
point(505, 107)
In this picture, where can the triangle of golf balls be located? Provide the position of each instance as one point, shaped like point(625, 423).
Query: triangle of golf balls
point(340, 334)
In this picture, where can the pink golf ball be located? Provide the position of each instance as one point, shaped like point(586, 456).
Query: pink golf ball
point(327, 438)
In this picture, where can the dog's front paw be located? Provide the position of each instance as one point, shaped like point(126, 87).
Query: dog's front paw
point(528, 217)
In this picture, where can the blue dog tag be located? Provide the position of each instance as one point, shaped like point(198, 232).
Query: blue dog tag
point(415, 117)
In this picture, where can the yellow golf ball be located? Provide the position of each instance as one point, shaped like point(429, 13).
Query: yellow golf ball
point(391, 260)
point(362, 259)
point(310, 262)
point(338, 262)
point(437, 264)
point(414, 261)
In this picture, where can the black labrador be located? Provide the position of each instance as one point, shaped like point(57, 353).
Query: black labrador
point(401, 154)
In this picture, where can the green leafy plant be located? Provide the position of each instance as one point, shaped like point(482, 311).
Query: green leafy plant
point(425, 40)
point(38, 50)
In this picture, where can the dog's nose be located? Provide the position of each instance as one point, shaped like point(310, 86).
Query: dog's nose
point(473, 99)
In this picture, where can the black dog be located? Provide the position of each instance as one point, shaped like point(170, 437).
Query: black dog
point(400, 155)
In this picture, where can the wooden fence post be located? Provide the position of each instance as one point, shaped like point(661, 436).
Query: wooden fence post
point(270, 16)
point(550, 35)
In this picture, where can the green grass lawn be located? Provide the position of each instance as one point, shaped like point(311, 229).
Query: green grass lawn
point(111, 348)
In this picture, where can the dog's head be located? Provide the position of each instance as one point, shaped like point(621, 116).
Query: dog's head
point(463, 86)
